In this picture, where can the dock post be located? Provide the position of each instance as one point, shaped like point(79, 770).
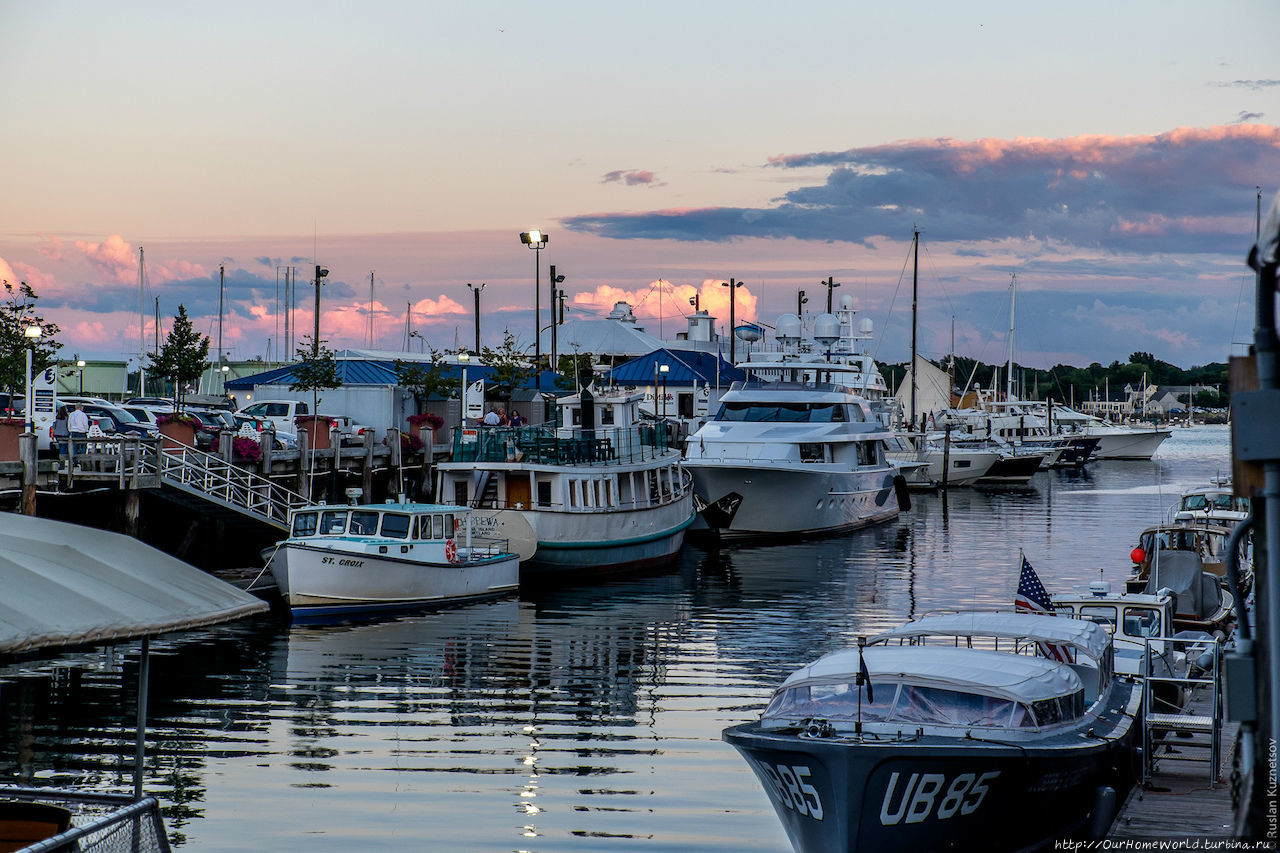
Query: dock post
point(226, 448)
point(397, 473)
point(267, 440)
point(427, 487)
point(132, 512)
point(304, 485)
point(367, 479)
point(27, 451)
point(946, 455)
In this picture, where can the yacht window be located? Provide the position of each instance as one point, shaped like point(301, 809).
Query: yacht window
point(364, 523)
point(544, 493)
point(1141, 622)
point(333, 521)
point(1059, 709)
point(450, 525)
point(1104, 615)
point(304, 524)
point(832, 701)
point(606, 416)
point(437, 529)
point(951, 707)
point(395, 525)
point(811, 452)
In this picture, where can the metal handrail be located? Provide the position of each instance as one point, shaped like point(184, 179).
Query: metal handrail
point(1211, 678)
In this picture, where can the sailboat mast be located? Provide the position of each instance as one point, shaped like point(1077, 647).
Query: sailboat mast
point(915, 301)
point(1013, 298)
point(142, 321)
point(371, 272)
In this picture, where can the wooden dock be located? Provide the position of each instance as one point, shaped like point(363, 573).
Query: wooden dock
point(1179, 802)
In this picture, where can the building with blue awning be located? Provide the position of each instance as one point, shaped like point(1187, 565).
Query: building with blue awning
point(683, 389)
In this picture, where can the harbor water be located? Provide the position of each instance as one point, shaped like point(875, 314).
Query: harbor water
point(584, 718)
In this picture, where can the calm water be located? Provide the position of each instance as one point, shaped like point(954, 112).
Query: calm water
point(581, 719)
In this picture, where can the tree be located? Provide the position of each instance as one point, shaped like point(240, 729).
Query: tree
point(182, 356)
point(16, 314)
point(426, 380)
point(316, 370)
point(510, 368)
point(574, 371)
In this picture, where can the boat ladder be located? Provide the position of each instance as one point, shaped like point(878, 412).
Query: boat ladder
point(1194, 732)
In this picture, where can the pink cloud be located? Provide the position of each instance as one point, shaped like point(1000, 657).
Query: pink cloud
point(112, 256)
point(51, 248)
point(629, 177)
point(663, 298)
point(174, 271)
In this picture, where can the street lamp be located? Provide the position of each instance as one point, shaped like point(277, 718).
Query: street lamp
point(225, 370)
point(321, 272)
point(555, 279)
point(476, 292)
point(32, 333)
point(536, 240)
point(80, 365)
point(664, 369)
point(733, 287)
point(463, 358)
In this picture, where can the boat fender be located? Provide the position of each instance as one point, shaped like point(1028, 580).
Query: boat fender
point(900, 489)
point(1104, 812)
point(450, 551)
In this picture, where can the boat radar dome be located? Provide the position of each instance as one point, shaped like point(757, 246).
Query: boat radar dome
point(789, 327)
point(846, 302)
point(866, 325)
point(826, 329)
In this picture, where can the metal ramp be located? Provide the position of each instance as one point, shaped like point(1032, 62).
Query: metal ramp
point(1193, 734)
point(142, 463)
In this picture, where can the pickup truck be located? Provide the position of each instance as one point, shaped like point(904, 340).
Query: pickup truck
point(281, 413)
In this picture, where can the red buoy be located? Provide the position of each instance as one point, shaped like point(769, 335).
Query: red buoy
point(1138, 555)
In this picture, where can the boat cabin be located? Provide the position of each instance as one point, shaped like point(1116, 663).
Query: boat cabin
point(1214, 503)
point(936, 690)
point(378, 521)
point(1205, 538)
point(1136, 621)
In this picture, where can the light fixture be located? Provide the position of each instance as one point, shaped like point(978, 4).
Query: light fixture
point(536, 240)
point(32, 333)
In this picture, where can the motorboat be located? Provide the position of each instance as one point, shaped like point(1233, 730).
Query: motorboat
point(792, 457)
point(907, 745)
point(342, 560)
point(943, 462)
point(1206, 538)
point(1115, 441)
point(1214, 503)
point(603, 491)
point(1201, 601)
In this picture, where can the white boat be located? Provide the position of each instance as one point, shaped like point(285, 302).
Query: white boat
point(1215, 503)
point(909, 746)
point(603, 492)
point(343, 560)
point(791, 457)
point(964, 465)
point(1115, 441)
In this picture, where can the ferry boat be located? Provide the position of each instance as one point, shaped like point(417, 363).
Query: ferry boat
point(356, 559)
point(792, 457)
point(930, 747)
point(604, 491)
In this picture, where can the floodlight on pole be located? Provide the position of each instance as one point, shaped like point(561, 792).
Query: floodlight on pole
point(830, 284)
point(733, 286)
point(801, 301)
point(536, 240)
point(321, 273)
point(663, 369)
point(80, 369)
point(32, 333)
point(555, 279)
point(463, 358)
point(476, 292)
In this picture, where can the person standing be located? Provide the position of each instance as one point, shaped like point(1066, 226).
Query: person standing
point(78, 422)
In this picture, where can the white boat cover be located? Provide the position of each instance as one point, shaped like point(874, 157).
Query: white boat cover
point(70, 585)
point(1084, 634)
point(987, 673)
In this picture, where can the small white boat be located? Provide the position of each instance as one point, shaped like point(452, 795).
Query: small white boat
point(344, 560)
point(1213, 503)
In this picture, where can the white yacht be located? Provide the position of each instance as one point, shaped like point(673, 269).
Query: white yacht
point(604, 491)
point(792, 457)
point(1115, 441)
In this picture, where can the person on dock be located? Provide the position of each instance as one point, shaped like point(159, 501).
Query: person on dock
point(492, 418)
point(78, 422)
point(517, 419)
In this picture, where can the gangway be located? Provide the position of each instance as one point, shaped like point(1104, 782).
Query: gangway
point(1198, 724)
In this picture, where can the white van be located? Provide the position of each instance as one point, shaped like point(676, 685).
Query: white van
point(281, 413)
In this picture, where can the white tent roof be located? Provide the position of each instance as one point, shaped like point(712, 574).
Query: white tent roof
point(1081, 633)
point(70, 585)
point(999, 674)
point(601, 337)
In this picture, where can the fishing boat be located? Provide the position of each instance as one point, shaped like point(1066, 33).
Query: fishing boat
point(1207, 539)
point(792, 457)
point(905, 745)
point(368, 558)
point(1214, 503)
point(603, 491)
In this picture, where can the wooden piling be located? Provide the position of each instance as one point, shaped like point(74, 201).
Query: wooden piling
point(27, 450)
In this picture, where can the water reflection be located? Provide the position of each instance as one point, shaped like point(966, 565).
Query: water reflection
point(572, 719)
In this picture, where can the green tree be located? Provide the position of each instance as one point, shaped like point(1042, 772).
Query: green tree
point(510, 367)
point(16, 314)
point(182, 356)
point(316, 370)
point(426, 380)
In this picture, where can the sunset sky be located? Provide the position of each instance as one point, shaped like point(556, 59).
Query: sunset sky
point(1109, 154)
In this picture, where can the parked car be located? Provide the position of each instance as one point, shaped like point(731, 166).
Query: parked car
point(110, 419)
point(209, 429)
point(284, 440)
point(282, 413)
point(146, 414)
point(153, 402)
point(352, 432)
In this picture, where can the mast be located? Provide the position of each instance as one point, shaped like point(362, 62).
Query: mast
point(142, 322)
point(915, 280)
point(371, 272)
point(1013, 298)
point(222, 289)
point(288, 306)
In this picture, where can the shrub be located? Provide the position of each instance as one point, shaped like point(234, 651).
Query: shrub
point(431, 419)
point(178, 418)
point(410, 443)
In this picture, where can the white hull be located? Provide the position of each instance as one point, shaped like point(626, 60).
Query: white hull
point(1123, 443)
point(324, 580)
point(967, 466)
point(794, 498)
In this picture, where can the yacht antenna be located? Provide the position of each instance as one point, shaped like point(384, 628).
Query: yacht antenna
point(1013, 298)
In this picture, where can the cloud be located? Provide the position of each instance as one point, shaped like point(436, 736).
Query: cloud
point(1247, 84)
point(113, 257)
point(1167, 192)
point(665, 299)
point(1247, 117)
point(630, 177)
point(51, 248)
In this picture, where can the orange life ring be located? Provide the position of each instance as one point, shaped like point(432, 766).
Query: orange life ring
point(450, 551)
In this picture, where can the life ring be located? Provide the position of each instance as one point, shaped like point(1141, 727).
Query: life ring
point(450, 551)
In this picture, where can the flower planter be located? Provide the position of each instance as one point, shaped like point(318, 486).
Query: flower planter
point(177, 435)
point(317, 430)
point(9, 447)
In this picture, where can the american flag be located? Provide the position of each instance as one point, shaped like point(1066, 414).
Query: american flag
point(1032, 598)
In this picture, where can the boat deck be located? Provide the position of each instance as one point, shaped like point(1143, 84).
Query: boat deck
point(1179, 801)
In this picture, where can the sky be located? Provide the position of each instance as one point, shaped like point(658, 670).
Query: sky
point(1108, 155)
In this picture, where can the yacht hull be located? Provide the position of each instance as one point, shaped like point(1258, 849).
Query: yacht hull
point(1125, 444)
point(797, 499)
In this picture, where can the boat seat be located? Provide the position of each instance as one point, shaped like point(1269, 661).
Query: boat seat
point(23, 824)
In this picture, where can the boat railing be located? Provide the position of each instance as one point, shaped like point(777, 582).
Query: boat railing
point(99, 822)
point(485, 546)
point(546, 445)
point(1198, 718)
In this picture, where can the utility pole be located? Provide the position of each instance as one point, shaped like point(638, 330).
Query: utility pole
point(321, 272)
point(555, 280)
point(733, 286)
point(830, 284)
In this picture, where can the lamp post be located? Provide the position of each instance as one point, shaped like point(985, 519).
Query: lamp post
point(476, 292)
point(32, 333)
point(80, 365)
point(463, 358)
point(801, 300)
point(536, 240)
point(733, 287)
point(551, 304)
point(321, 272)
point(225, 369)
point(664, 369)
point(830, 284)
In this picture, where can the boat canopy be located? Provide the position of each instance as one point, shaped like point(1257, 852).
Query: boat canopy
point(1018, 678)
point(69, 585)
point(1087, 636)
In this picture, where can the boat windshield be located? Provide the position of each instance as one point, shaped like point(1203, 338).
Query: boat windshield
point(832, 701)
point(395, 525)
point(364, 523)
point(788, 412)
point(916, 704)
point(304, 523)
point(333, 522)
